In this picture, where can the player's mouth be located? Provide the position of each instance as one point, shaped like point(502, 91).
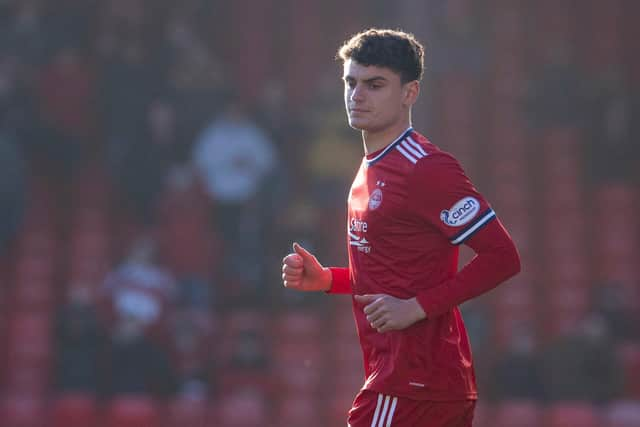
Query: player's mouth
point(358, 111)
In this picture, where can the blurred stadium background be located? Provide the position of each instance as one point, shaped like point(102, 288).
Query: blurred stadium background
point(158, 157)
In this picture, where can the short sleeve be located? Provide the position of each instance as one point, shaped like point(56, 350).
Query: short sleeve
point(441, 194)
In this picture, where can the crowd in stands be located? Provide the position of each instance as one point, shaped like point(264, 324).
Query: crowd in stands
point(158, 158)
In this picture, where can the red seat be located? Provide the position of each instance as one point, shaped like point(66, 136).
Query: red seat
point(299, 410)
point(337, 407)
point(518, 414)
point(297, 378)
point(29, 336)
point(34, 267)
point(622, 414)
point(34, 294)
point(482, 415)
point(243, 407)
point(187, 412)
point(572, 415)
point(73, 410)
point(629, 359)
point(132, 411)
point(298, 325)
point(22, 411)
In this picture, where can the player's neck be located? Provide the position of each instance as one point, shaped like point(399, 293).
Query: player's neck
point(374, 141)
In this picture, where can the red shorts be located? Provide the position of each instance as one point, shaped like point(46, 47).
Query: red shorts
point(371, 409)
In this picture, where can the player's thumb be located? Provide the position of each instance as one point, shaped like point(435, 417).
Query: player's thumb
point(305, 254)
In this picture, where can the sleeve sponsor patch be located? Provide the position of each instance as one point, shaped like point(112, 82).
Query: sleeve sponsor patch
point(463, 211)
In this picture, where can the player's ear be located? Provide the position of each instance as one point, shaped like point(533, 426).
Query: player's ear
point(411, 92)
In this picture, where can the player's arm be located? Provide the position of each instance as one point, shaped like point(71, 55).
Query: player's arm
point(302, 271)
point(496, 260)
point(454, 206)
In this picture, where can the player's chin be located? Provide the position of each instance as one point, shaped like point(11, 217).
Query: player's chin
point(357, 123)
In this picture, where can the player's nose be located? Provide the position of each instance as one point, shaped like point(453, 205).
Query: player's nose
point(357, 94)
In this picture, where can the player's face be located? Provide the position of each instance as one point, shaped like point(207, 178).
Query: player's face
point(375, 97)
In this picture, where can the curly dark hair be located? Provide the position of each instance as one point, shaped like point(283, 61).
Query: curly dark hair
point(394, 49)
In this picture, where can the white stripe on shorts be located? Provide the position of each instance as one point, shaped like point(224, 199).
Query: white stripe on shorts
point(376, 414)
point(384, 411)
point(394, 402)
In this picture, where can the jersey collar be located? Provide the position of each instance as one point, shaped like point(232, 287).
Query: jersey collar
point(385, 150)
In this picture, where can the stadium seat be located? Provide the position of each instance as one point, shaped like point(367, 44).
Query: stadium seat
point(629, 359)
point(337, 405)
point(572, 415)
point(73, 410)
point(132, 411)
point(187, 411)
point(299, 410)
point(518, 414)
point(622, 414)
point(29, 336)
point(34, 267)
point(296, 378)
point(483, 415)
point(34, 294)
point(22, 411)
point(298, 325)
point(27, 377)
point(242, 407)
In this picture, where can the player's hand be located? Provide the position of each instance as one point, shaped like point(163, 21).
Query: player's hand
point(386, 313)
point(302, 271)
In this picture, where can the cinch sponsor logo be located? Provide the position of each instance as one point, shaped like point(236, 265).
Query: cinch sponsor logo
point(461, 213)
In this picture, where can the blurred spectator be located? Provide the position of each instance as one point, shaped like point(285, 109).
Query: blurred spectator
point(124, 110)
point(66, 98)
point(249, 351)
point(80, 343)
point(460, 47)
point(23, 33)
point(236, 160)
point(582, 364)
point(195, 76)
point(12, 188)
point(234, 156)
point(188, 243)
point(192, 346)
point(516, 372)
point(140, 289)
point(556, 94)
point(18, 112)
point(136, 364)
point(615, 306)
point(613, 128)
point(67, 95)
point(148, 160)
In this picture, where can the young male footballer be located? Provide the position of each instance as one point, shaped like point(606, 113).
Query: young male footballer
point(409, 208)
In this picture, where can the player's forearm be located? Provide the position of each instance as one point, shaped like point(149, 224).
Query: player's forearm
point(340, 281)
point(497, 260)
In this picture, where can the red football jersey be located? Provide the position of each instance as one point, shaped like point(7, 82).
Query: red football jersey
point(410, 205)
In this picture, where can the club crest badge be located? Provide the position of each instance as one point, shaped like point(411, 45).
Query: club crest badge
point(375, 199)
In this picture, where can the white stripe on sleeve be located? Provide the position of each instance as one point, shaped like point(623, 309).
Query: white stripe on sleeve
point(477, 225)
